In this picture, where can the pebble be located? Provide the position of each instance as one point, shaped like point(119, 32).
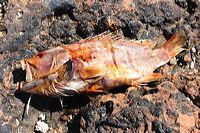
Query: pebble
point(193, 50)
point(19, 14)
point(173, 61)
point(42, 117)
point(2, 34)
point(21, 33)
point(41, 127)
point(4, 3)
point(192, 65)
point(17, 123)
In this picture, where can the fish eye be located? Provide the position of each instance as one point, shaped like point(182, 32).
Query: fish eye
point(40, 55)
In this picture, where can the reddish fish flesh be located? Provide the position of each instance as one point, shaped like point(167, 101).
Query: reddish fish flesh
point(97, 65)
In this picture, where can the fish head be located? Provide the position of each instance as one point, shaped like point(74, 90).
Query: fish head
point(43, 69)
point(45, 63)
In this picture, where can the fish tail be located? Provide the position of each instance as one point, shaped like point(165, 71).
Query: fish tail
point(175, 43)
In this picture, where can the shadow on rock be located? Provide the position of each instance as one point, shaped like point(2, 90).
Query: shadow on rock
point(44, 103)
point(19, 75)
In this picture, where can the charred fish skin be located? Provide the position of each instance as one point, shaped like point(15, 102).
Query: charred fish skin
point(98, 65)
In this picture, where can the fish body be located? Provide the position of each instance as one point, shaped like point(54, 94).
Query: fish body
point(98, 64)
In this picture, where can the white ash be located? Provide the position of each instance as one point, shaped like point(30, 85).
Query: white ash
point(41, 127)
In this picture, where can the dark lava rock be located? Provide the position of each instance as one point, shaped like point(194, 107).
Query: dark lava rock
point(142, 113)
point(160, 127)
point(170, 105)
point(131, 29)
point(191, 5)
point(158, 14)
point(181, 3)
point(63, 29)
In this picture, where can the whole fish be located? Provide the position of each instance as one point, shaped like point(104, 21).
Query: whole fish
point(97, 65)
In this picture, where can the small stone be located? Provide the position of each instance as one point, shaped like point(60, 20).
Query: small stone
point(193, 50)
point(41, 127)
point(4, 3)
point(42, 117)
point(70, 117)
point(192, 65)
point(194, 59)
point(173, 61)
point(21, 33)
point(19, 14)
point(2, 33)
point(17, 123)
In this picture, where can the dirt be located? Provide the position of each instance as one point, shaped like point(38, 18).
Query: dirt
point(168, 105)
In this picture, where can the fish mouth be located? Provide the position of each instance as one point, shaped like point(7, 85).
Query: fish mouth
point(31, 84)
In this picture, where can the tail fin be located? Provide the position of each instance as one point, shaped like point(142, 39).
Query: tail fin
point(175, 43)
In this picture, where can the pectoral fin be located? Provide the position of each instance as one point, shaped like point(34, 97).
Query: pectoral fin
point(94, 89)
point(63, 90)
point(29, 76)
point(93, 71)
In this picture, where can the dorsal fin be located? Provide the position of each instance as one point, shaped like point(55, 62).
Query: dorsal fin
point(107, 35)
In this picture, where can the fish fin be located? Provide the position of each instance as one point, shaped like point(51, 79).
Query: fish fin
point(160, 39)
point(175, 43)
point(92, 97)
point(29, 76)
point(94, 89)
point(107, 35)
point(149, 78)
point(63, 90)
point(93, 86)
point(92, 71)
point(28, 103)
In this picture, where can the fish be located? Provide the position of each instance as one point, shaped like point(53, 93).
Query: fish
point(98, 65)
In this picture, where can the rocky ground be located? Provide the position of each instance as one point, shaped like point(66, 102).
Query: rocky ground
point(170, 105)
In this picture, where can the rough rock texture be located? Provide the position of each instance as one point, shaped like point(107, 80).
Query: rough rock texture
point(169, 105)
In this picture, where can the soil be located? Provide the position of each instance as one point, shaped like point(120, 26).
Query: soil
point(169, 105)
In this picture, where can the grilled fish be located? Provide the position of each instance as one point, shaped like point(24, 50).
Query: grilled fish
point(97, 65)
